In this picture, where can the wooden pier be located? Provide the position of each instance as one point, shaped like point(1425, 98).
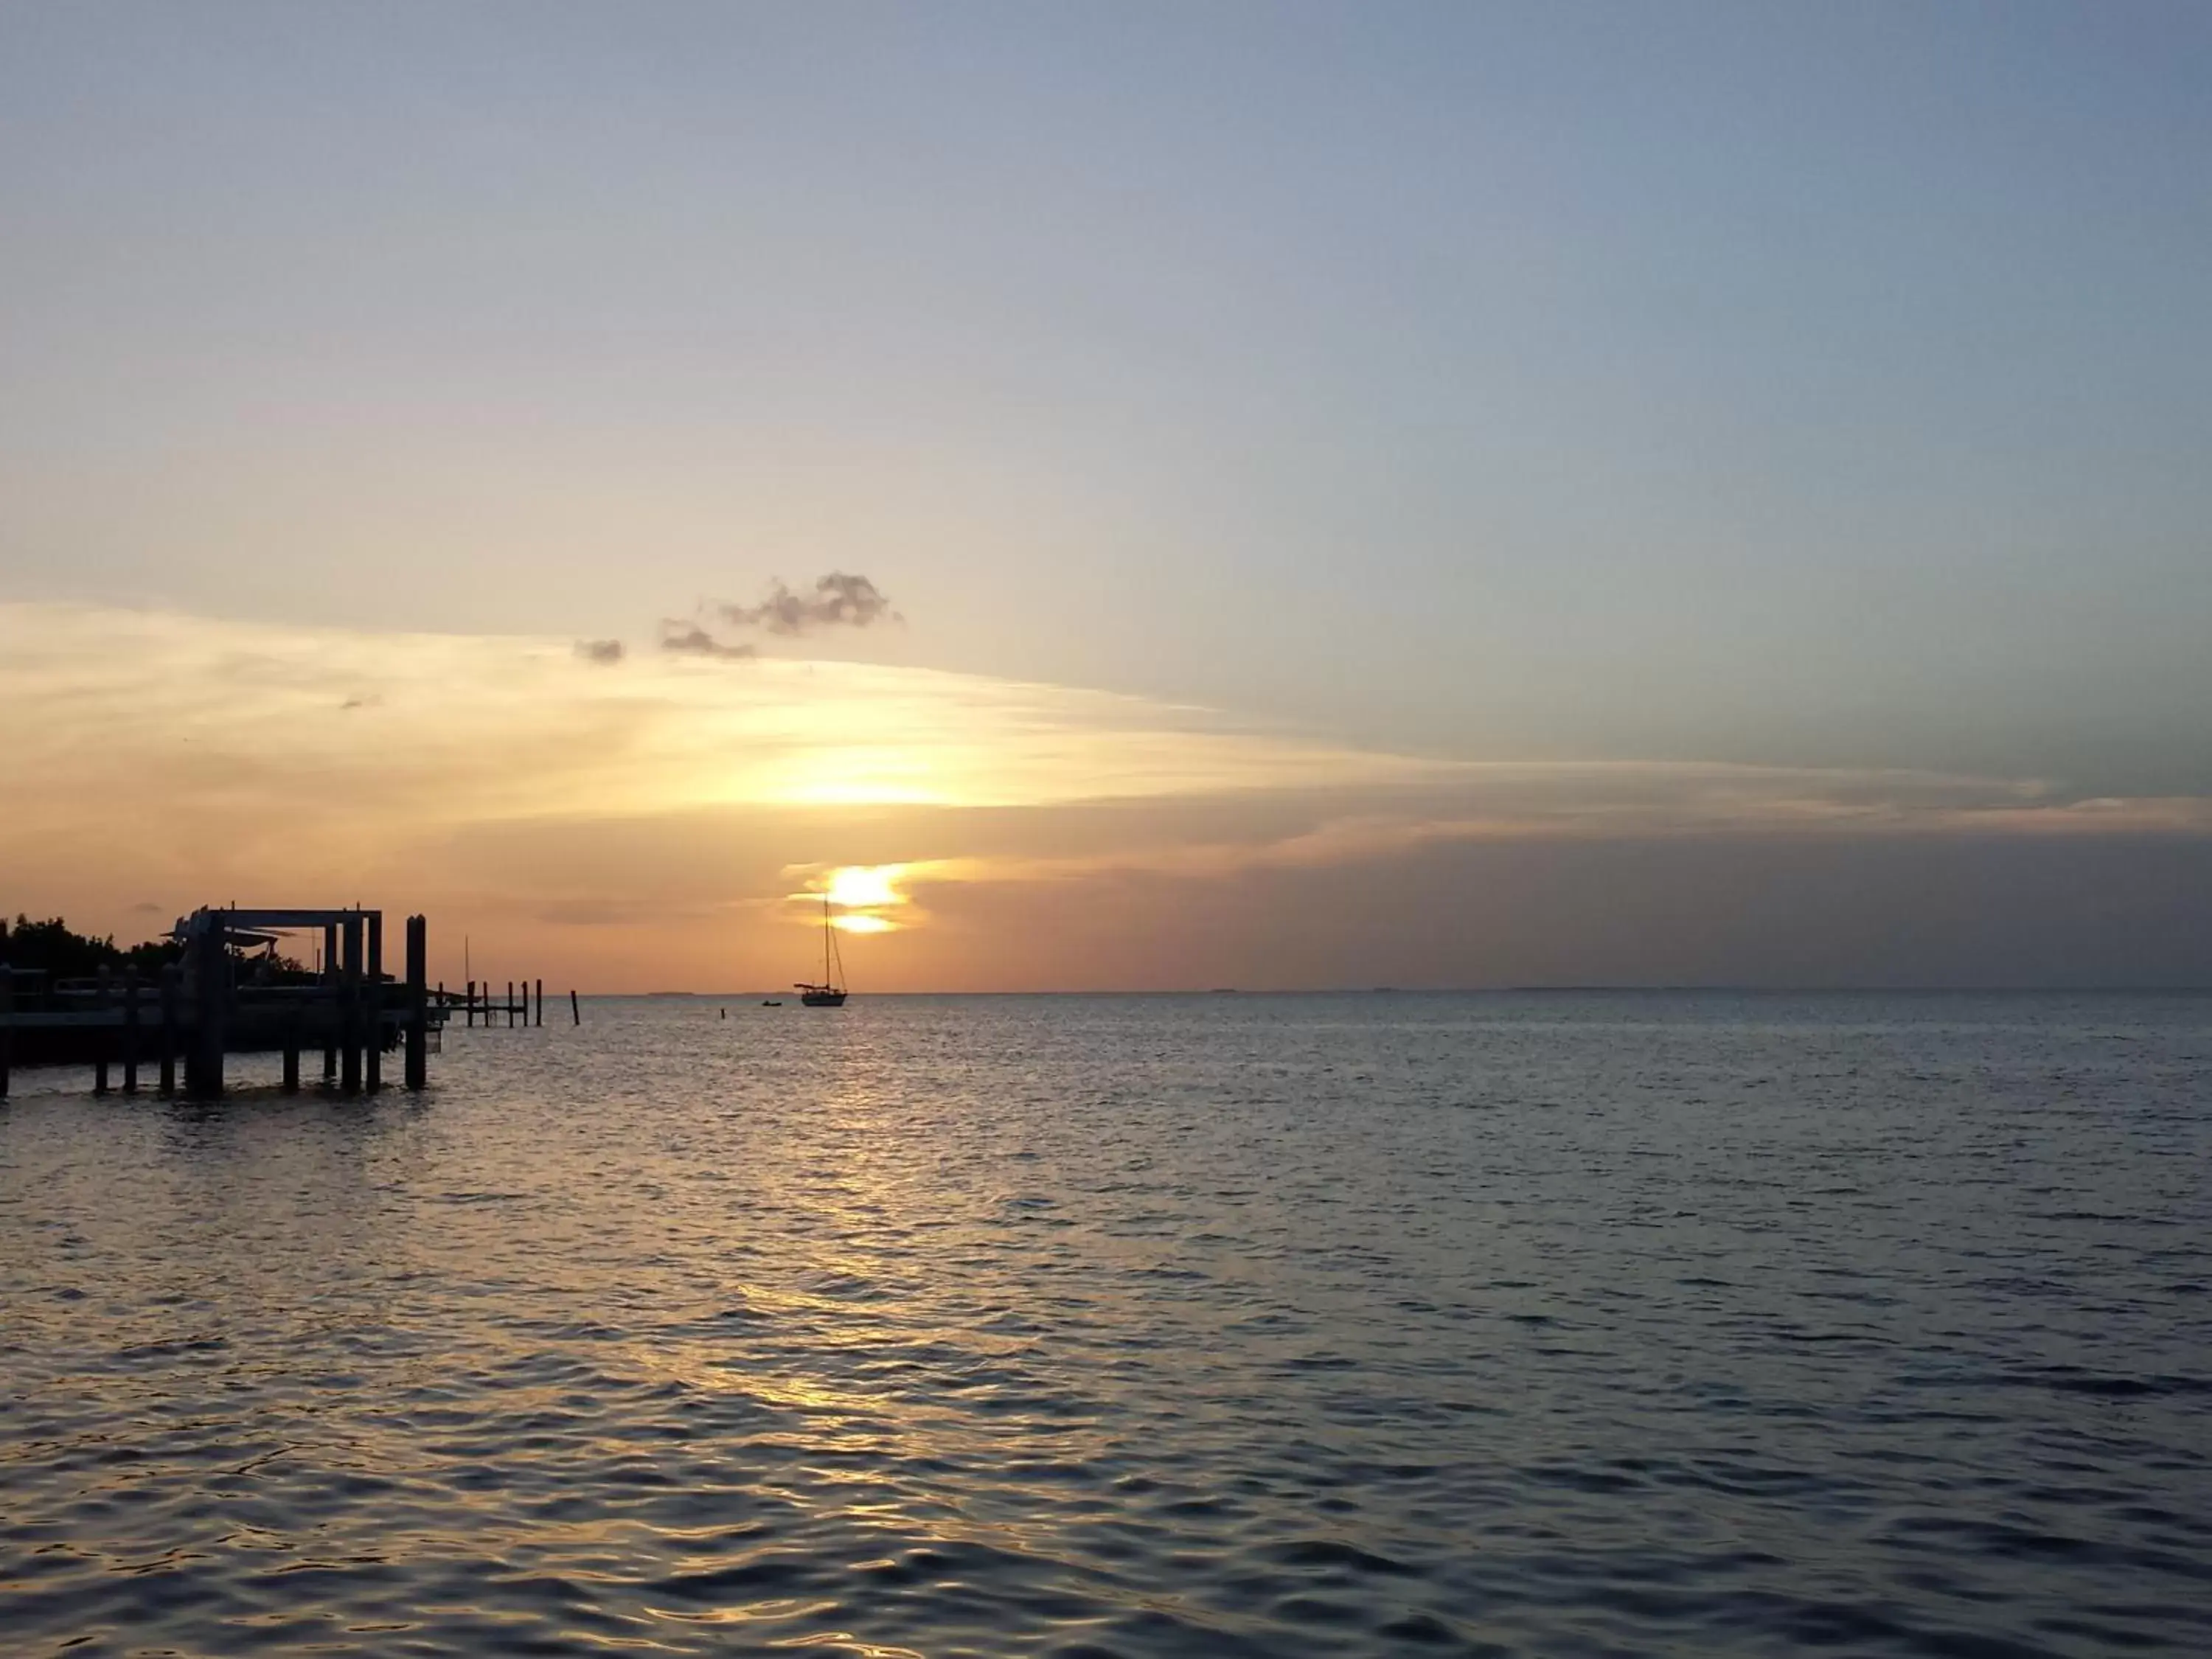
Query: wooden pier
point(219, 999)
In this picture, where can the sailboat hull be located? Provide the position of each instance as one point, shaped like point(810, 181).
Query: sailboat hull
point(823, 999)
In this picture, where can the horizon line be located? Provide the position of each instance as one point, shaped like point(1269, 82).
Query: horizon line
point(1618, 989)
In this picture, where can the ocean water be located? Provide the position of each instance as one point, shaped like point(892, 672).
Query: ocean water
point(1536, 1324)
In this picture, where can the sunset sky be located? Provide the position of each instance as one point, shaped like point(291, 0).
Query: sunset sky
point(1172, 495)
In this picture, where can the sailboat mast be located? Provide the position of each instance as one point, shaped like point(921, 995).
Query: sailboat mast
point(826, 980)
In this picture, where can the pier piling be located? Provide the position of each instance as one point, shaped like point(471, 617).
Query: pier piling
point(576, 1014)
point(350, 1009)
point(107, 995)
point(330, 979)
point(207, 982)
point(419, 1017)
point(129, 1032)
point(171, 974)
point(373, 1049)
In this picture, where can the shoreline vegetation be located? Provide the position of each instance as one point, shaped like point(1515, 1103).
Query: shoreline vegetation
point(52, 949)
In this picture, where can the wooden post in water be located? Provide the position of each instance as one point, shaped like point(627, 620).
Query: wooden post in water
point(576, 1014)
point(473, 1004)
point(330, 980)
point(541, 1002)
point(129, 1032)
point(172, 973)
point(100, 1041)
point(373, 1019)
point(7, 1014)
point(418, 1014)
point(209, 961)
point(292, 1022)
point(510, 1004)
point(350, 1009)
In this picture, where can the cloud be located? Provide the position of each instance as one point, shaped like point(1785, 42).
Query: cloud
point(839, 600)
point(659, 808)
point(599, 651)
point(689, 640)
point(1561, 806)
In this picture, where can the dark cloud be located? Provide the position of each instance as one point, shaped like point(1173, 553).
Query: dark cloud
point(689, 640)
point(371, 701)
point(839, 600)
point(606, 651)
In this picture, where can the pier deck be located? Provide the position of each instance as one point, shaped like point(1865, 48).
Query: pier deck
point(218, 999)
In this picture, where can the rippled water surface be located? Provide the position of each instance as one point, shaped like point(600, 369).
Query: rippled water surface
point(1546, 1325)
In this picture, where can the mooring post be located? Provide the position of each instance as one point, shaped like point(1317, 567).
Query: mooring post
point(171, 975)
point(375, 1019)
point(541, 1002)
point(349, 1009)
point(99, 1040)
point(418, 1014)
point(576, 1014)
point(210, 966)
point(129, 1032)
point(330, 980)
point(473, 1004)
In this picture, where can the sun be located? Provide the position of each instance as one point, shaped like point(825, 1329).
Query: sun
point(861, 894)
point(865, 887)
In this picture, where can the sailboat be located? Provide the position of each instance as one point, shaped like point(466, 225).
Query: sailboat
point(829, 994)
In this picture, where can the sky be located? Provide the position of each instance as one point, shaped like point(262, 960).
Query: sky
point(1316, 494)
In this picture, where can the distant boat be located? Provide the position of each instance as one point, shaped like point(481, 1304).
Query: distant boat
point(771, 1002)
point(829, 994)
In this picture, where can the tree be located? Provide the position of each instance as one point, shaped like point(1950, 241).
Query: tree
point(53, 948)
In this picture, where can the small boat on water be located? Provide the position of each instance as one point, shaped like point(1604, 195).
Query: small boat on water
point(829, 994)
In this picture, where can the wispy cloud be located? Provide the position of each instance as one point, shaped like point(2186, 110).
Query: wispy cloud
point(601, 651)
point(226, 711)
point(674, 794)
point(1566, 803)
